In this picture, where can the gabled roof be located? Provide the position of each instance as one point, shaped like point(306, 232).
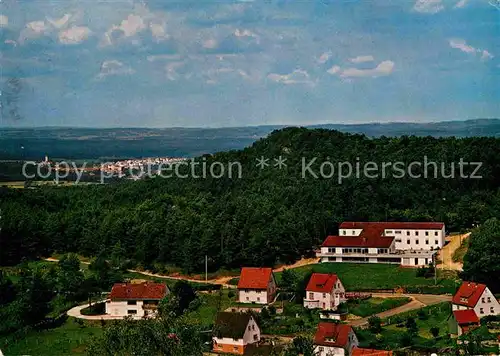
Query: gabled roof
point(371, 352)
point(254, 278)
point(365, 240)
point(465, 317)
point(136, 291)
point(231, 325)
point(321, 282)
point(468, 294)
point(331, 334)
point(393, 225)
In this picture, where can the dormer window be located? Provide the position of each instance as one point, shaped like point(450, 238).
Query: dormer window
point(463, 300)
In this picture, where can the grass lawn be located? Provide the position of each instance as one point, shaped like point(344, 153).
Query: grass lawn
point(372, 276)
point(393, 333)
point(370, 306)
point(206, 312)
point(68, 339)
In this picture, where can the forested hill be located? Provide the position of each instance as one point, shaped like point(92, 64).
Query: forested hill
point(113, 143)
point(267, 216)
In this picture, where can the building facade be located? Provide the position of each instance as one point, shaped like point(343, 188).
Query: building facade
point(324, 291)
point(235, 333)
point(135, 300)
point(256, 285)
point(407, 244)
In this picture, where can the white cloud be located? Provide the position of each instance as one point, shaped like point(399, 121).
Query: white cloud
point(4, 21)
point(114, 67)
point(382, 69)
point(334, 70)
point(458, 43)
point(12, 42)
point(60, 23)
point(428, 6)
point(324, 57)
point(460, 4)
point(160, 57)
point(362, 59)
point(298, 76)
point(74, 35)
point(130, 26)
point(486, 55)
point(158, 31)
point(171, 70)
point(210, 43)
point(32, 30)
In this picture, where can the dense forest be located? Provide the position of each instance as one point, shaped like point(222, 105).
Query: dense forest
point(268, 216)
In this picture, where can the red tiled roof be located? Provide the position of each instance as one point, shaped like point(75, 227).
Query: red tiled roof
point(365, 240)
point(321, 282)
point(254, 278)
point(138, 291)
point(468, 294)
point(338, 333)
point(393, 225)
point(362, 352)
point(467, 316)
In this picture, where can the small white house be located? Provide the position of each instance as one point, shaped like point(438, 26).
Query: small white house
point(135, 300)
point(234, 332)
point(256, 285)
point(332, 339)
point(476, 296)
point(324, 291)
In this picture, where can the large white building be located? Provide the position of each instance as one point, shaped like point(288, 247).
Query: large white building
point(324, 291)
point(135, 300)
point(404, 243)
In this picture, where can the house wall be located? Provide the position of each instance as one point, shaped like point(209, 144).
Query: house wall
point(329, 351)
point(487, 304)
point(252, 333)
point(410, 239)
point(252, 296)
point(122, 308)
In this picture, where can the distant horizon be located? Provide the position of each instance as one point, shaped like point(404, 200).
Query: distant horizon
point(251, 126)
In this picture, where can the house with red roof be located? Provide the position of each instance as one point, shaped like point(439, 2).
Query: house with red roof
point(462, 321)
point(332, 339)
point(256, 285)
point(404, 243)
point(357, 351)
point(324, 291)
point(137, 300)
point(477, 297)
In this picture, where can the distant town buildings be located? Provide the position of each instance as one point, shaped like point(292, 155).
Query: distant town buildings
point(404, 243)
point(256, 285)
point(135, 300)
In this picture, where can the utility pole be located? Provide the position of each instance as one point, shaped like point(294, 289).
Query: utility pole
point(206, 269)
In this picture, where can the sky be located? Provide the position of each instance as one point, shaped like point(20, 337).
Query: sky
point(204, 63)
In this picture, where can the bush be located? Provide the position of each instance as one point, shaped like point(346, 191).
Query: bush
point(231, 294)
point(422, 315)
point(375, 324)
point(435, 331)
point(411, 325)
point(95, 309)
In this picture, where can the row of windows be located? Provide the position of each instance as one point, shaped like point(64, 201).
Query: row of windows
point(338, 295)
point(489, 300)
point(492, 310)
point(436, 233)
point(408, 242)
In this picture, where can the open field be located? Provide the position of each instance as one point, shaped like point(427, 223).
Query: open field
point(370, 306)
point(68, 339)
point(359, 277)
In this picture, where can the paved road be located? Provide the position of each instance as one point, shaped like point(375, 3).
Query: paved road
point(417, 301)
point(76, 312)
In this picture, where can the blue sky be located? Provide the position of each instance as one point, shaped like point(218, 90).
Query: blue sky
point(97, 63)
